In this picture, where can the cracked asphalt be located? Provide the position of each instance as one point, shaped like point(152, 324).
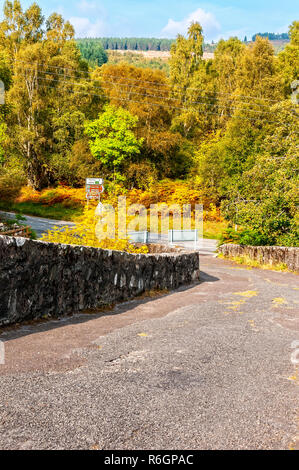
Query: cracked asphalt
point(206, 367)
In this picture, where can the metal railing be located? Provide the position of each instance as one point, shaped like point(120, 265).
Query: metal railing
point(182, 236)
point(139, 237)
point(174, 236)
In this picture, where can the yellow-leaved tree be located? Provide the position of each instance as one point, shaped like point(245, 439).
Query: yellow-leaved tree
point(87, 231)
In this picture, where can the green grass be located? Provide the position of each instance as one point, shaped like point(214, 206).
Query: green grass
point(213, 230)
point(57, 211)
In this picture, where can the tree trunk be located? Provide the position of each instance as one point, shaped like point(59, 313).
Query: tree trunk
point(38, 177)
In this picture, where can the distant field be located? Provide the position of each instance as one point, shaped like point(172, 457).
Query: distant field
point(164, 55)
point(279, 45)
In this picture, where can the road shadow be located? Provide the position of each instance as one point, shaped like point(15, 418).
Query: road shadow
point(205, 277)
point(30, 327)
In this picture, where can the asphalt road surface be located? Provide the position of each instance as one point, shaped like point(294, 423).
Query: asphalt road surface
point(41, 226)
point(212, 366)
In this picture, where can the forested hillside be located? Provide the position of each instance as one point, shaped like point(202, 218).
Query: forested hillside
point(272, 36)
point(138, 60)
point(154, 44)
point(133, 44)
point(221, 131)
point(139, 51)
point(93, 52)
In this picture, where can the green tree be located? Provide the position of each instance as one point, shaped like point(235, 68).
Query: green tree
point(112, 139)
point(93, 52)
point(33, 23)
point(5, 70)
point(38, 97)
point(12, 26)
point(258, 86)
point(264, 199)
point(192, 81)
point(48, 87)
point(185, 60)
point(289, 58)
point(143, 92)
point(222, 159)
point(3, 129)
point(227, 58)
point(257, 73)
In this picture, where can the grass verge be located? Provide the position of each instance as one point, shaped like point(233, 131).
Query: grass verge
point(56, 211)
point(251, 263)
point(214, 229)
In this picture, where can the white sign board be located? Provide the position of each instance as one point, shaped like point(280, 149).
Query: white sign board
point(92, 181)
point(94, 188)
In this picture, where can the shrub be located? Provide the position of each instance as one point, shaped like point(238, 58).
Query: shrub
point(12, 178)
point(253, 237)
point(69, 197)
point(229, 236)
point(84, 233)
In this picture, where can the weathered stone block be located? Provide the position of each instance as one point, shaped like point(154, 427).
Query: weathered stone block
point(265, 254)
point(39, 278)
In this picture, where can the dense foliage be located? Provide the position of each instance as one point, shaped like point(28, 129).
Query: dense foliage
point(138, 60)
point(226, 127)
point(272, 36)
point(89, 45)
point(84, 233)
point(93, 52)
point(133, 44)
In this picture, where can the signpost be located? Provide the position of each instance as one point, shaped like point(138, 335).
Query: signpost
point(94, 188)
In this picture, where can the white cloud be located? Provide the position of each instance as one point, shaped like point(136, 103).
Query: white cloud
point(85, 28)
point(207, 20)
point(283, 29)
point(92, 21)
point(239, 33)
point(86, 6)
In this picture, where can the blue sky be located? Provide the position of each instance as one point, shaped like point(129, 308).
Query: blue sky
point(167, 18)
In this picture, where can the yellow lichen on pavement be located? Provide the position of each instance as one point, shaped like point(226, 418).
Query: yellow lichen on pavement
point(279, 301)
point(248, 294)
point(234, 305)
point(253, 325)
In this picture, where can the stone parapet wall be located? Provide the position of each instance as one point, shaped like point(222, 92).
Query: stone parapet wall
point(271, 255)
point(40, 279)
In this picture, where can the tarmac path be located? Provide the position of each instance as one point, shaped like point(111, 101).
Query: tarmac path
point(212, 366)
point(41, 225)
